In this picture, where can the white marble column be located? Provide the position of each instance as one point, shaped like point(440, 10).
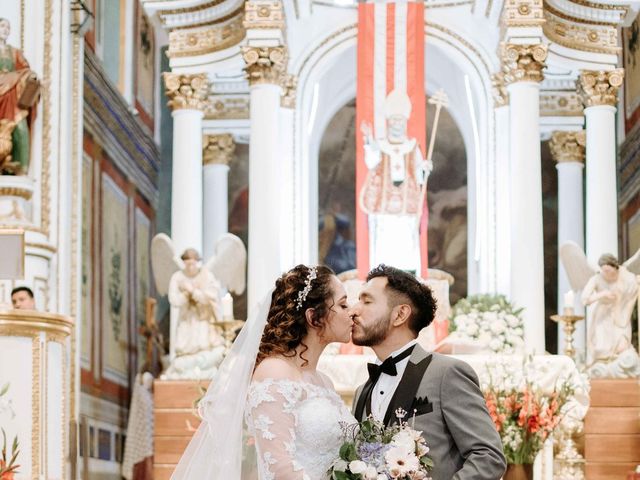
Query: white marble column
point(503, 187)
point(186, 95)
point(567, 149)
point(264, 70)
point(523, 73)
point(217, 152)
point(287, 195)
point(599, 90)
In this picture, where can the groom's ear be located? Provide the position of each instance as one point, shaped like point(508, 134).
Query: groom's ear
point(400, 314)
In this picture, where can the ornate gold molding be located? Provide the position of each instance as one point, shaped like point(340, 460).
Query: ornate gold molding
point(523, 63)
point(212, 38)
point(579, 35)
point(186, 91)
point(264, 64)
point(16, 192)
point(568, 146)
point(600, 87)
point(264, 14)
point(45, 175)
point(227, 107)
point(30, 323)
point(289, 89)
point(217, 149)
point(522, 13)
point(499, 90)
point(560, 104)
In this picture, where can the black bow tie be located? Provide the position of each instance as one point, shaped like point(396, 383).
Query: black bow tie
point(388, 366)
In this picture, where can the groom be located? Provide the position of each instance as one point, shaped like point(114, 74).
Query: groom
point(442, 392)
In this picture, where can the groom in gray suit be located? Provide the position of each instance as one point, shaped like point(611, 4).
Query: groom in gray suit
point(440, 391)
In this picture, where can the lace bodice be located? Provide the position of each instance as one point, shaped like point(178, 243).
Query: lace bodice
point(296, 425)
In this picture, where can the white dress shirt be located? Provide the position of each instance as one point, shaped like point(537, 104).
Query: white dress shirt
point(386, 385)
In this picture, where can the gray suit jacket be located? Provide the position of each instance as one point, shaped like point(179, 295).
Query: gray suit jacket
point(451, 413)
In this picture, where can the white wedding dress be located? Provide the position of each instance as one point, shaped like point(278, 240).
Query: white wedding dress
point(297, 427)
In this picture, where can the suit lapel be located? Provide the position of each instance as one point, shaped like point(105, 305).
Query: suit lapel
point(408, 386)
point(362, 398)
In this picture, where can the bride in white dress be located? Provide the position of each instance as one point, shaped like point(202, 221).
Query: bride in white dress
point(268, 396)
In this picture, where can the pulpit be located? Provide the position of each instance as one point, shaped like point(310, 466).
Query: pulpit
point(37, 385)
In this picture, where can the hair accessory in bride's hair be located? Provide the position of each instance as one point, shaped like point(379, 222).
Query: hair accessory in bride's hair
point(302, 294)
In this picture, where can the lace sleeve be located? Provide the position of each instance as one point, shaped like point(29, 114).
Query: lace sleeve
point(273, 420)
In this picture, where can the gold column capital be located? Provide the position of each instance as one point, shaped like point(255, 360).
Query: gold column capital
point(568, 146)
point(217, 149)
point(186, 91)
point(265, 64)
point(599, 87)
point(289, 90)
point(499, 90)
point(523, 63)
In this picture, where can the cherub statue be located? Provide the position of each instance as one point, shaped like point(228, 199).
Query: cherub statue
point(196, 345)
point(611, 292)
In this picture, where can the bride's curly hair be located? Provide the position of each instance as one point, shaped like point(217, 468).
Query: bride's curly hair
point(287, 324)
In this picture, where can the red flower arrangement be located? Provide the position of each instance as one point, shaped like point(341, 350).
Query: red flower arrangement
point(8, 467)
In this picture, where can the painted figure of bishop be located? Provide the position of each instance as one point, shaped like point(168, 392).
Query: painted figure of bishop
point(393, 193)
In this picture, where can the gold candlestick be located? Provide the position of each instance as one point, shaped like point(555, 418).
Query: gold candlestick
point(569, 320)
point(228, 328)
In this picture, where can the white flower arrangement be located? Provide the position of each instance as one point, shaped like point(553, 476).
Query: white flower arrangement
point(491, 321)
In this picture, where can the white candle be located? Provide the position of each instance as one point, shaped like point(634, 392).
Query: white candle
point(227, 307)
point(569, 299)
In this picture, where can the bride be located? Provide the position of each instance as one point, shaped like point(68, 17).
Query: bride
point(268, 387)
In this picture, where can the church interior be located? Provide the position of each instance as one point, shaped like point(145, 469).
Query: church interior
point(150, 148)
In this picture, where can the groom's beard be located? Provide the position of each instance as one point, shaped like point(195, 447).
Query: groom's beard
point(373, 335)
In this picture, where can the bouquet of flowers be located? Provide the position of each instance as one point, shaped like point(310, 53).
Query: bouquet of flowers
point(372, 451)
point(489, 320)
point(523, 413)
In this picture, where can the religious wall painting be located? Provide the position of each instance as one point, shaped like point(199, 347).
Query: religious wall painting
point(86, 281)
point(446, 198)
point(142, 283)
point(145, 62)
point(114, 273)
point(238, 196)
point(631, 54)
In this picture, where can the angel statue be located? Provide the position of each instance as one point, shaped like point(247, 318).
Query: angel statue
point(610, 292)
point(196, 345)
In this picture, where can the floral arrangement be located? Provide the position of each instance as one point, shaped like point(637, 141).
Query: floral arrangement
point(524, 413)
point(8, 465)
point(490, 320)
point(372, 451)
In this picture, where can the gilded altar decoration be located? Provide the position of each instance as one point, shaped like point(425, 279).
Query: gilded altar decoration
point(560, 104)
point(186, 90)
point(523, 63)
point(522, 13)
point(207, 39)
point(19, 94)
point(227, 107)
point(499, 90)
point(576, 34)
point(289, 88)
point(264, 14)
point(218, 149)
point(264, 64)
point(600, 87)
point(568, 146)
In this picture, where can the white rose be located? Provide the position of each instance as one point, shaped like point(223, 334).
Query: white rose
point(491, 316)
point(371, 473)
point(472, 329)
point(495, 345)
point(357, 466)
point(498, 326)
point(513, 321)
point(382, 476)
point(404, 440)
